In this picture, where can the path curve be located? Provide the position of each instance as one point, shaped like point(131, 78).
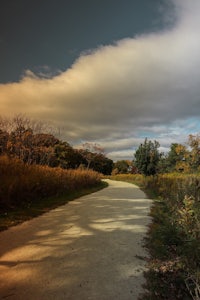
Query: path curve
point(90, 248)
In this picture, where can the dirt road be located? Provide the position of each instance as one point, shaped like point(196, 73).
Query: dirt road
point(90, 248)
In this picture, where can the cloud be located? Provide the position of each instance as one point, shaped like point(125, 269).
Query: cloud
point(118, 93)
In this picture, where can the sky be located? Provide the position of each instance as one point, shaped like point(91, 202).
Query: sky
point(111, 72)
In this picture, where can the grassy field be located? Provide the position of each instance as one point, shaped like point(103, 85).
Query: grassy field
point(29, 190)
point(173, 238)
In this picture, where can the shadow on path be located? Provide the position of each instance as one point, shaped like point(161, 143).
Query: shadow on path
point(90, 248)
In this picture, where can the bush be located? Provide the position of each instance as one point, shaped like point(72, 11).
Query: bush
point(174, 236)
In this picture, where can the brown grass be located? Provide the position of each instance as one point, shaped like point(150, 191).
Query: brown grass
point(21, 184)
point(174, 235)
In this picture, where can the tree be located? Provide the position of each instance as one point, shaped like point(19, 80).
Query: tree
point(90, 151)
point(172, 157)
point(177, 158)
point(4, 136)
point(147, 157)
point(102, 164)
point(121, 167)
point(96, 161)
point(194, 158)
point(25, 139)
point(67, 157)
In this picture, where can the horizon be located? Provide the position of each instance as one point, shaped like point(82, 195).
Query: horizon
point(106, 73)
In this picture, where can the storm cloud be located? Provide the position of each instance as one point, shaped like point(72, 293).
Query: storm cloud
point(116, 94)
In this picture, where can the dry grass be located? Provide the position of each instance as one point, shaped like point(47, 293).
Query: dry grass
point(174, 235)
point(21, 184)
point(137, 179)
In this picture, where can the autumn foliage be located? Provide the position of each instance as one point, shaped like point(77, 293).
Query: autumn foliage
point(32, 143)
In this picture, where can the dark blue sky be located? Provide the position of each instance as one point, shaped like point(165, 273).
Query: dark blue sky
point(141, 81)
point(48, 35)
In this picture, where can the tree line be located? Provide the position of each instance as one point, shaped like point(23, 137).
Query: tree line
point(149, 161)
point(25, 139)
point(35, 142)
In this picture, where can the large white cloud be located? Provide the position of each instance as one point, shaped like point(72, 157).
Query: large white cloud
point(115, 92)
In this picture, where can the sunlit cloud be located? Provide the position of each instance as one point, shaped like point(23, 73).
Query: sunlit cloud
point(115, 93)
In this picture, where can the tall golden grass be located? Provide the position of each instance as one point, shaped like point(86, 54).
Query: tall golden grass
point(180, 212)
point(21, 184)
point(175, 186)
point(174, 239)
point(132, 178)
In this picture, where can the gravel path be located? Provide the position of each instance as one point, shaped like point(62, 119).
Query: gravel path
point(90, 248)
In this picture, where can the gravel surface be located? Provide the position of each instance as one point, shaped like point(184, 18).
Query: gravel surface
point(90, 248)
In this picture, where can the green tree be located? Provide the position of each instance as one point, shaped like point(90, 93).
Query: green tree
point(67, 157)
point(96, 161)
point(147, 157)
point(194, 158)
point(102, 164)
point(177, 158)
point(121, 167)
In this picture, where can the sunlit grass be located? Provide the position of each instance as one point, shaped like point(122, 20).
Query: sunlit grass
point(29, 190)
point(174, 235)
point(137, 179)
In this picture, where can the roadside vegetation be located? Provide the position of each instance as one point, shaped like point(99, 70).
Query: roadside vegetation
point(39, 172)
point(173, 239)
point(29, 190)
point(22, 184)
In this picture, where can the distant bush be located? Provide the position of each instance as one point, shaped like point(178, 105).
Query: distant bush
point(138, 179)
point(21, 184)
